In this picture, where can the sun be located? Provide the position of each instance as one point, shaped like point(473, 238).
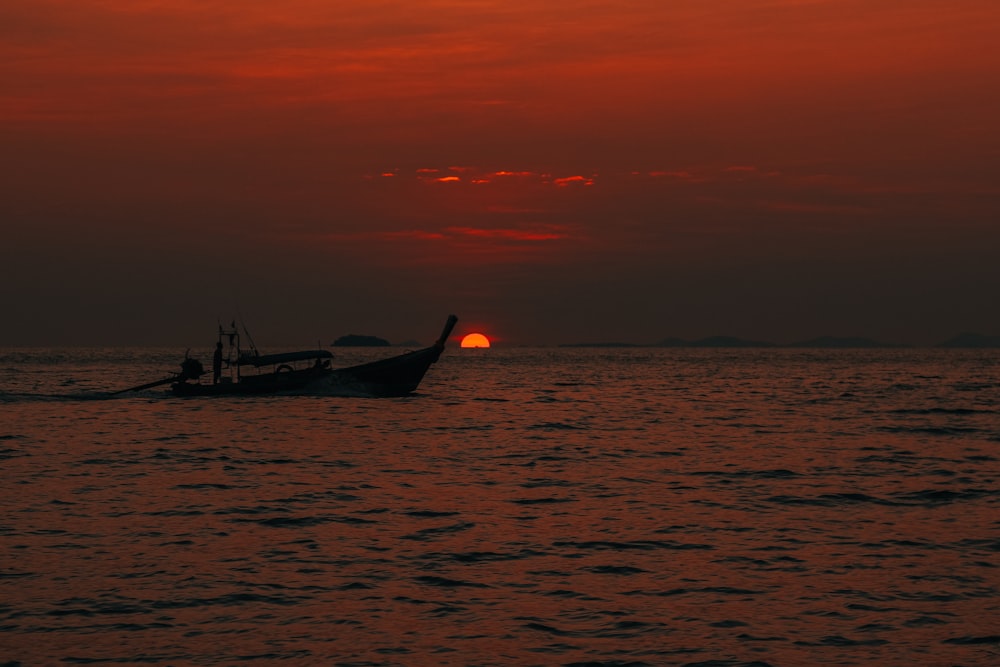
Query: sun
point(475, 340)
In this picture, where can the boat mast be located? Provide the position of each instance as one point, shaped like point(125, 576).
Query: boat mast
point(232, 336)
point(253, 348)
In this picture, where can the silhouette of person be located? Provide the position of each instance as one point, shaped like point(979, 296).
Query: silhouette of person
point(217, 363)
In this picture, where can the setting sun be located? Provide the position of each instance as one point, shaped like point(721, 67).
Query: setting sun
point(475, 340)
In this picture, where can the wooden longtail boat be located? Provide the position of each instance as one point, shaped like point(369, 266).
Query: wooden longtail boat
point(308, 371)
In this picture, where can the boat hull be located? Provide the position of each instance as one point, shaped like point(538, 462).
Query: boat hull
point(250, 385)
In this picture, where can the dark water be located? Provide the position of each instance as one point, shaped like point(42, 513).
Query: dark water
point(528, 507)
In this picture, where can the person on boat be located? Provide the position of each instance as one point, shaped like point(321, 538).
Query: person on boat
point(217, 363)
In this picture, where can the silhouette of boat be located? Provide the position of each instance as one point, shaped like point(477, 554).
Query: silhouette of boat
point(306, 371)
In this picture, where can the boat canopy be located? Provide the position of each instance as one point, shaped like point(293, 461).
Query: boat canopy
point(283, 358)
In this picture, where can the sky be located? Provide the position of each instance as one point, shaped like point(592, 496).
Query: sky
point(551, 172)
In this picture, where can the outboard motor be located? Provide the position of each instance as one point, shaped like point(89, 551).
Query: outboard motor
point(191, 369)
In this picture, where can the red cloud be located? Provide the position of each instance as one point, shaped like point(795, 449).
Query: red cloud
point(411, 234)
point(508, 234)
point(569, 180)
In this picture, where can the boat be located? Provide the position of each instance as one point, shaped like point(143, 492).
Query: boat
point(248, 373)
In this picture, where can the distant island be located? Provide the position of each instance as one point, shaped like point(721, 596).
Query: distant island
point(844, 343)
point(355, 340)
point(964, 340)
point(713, 341)
point(601, 345)
point(973, 340)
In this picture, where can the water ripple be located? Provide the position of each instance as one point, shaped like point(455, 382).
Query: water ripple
point(629, 507)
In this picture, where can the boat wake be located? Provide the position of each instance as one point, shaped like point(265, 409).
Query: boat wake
point(24, 397)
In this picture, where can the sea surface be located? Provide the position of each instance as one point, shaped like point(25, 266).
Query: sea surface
point(558, 506)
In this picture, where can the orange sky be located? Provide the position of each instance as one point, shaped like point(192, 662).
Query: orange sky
point(564, 171)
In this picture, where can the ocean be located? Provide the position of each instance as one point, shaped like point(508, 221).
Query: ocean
point(563, 506)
